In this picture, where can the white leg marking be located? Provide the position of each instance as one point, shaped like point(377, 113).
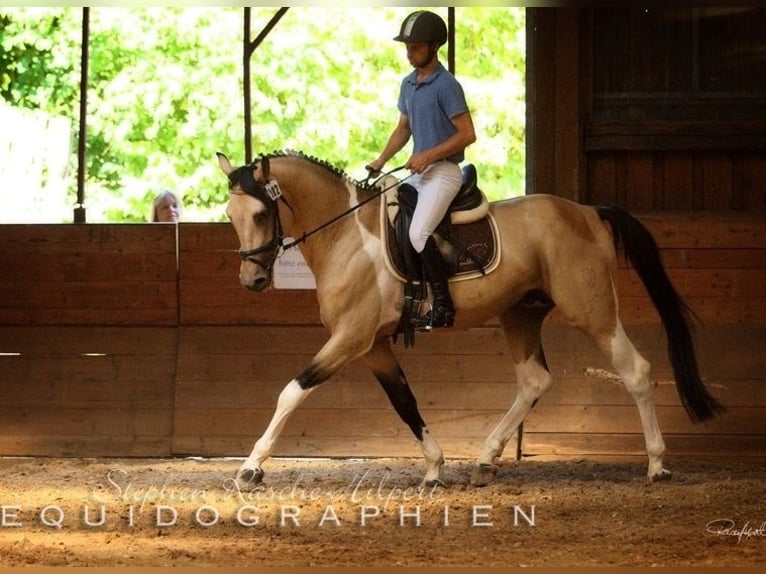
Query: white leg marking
point(532, 380)
point(634, 370)
point(289, 399)
point(434, 457)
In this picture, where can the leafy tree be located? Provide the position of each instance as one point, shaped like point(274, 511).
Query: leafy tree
point(165, 92)
point(36, 71)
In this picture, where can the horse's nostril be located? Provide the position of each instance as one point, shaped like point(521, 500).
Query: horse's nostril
point(260, 284)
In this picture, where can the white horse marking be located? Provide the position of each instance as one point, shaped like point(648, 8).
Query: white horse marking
point(289, 400)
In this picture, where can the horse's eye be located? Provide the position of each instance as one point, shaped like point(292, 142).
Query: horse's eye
point(259, 217)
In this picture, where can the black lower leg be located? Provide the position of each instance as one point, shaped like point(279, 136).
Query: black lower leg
point(442, 312)
point(399, 393)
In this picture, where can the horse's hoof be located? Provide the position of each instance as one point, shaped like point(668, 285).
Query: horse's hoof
point(483, 474)
point(249, 478)
point(434, 483)
point(662, 475)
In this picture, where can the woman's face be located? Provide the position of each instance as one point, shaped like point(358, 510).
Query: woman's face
point(168, 211)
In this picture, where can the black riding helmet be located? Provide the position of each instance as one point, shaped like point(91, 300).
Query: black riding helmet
point(423, 26)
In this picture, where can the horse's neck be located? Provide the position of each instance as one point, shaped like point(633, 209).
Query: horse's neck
point(319, 200)
point(314, 196)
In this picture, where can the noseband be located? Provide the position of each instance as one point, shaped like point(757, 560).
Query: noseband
point(276, 245)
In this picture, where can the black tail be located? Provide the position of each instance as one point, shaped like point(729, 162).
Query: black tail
point(643, 254)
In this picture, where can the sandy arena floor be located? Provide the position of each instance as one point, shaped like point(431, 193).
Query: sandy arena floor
point(152, 512)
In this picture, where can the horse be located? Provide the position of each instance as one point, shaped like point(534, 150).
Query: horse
point(551, 249)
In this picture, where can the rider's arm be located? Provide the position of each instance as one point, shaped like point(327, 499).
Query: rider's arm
point(457, 142)
point(396, 141)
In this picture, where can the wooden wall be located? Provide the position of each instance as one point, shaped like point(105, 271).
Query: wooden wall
point(138, 339)
point(653, 109)
point(88, 339)
point(179, 359)
point(674, 110)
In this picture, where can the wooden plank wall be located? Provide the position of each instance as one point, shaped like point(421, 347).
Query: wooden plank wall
point(88, 275)
point(87, 391)
point(678, 180)
point(673, 115)
point(198, 372)
point(88, 337)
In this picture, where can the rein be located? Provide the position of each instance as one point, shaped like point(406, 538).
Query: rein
point(277, 244)
point(306, 235)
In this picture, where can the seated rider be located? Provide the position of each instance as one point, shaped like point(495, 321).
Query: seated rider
point(433, 110)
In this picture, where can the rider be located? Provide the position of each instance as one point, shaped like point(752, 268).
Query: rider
point(433, 110)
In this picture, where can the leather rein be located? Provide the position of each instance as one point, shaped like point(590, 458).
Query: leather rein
point(277, 245)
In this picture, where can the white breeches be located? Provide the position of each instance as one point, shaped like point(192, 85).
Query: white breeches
point(437, 186)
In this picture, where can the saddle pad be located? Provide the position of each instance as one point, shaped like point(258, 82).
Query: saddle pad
point(480, 238)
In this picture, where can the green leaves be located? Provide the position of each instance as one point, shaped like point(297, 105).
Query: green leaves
point(165, 92)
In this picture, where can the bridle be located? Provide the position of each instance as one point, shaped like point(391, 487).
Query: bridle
point(277, 245)
point(268, 194)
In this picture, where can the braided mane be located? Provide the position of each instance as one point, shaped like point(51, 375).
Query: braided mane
point(321, 163)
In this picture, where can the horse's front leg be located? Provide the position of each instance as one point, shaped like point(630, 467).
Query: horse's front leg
point(250, 473)
point(387, 370)
point(333, 356)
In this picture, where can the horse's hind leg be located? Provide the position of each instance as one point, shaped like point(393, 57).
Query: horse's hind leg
point(592, 307)
point(387, 370)
point(634, 371)
point(522, 332)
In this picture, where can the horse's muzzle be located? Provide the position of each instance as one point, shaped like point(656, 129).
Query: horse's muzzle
point(257, 283)
point(254, 277)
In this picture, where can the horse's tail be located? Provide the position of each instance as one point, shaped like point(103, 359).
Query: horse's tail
point(642, 252)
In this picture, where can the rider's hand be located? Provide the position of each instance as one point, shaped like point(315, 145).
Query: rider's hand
point(418, 162)
point(373, 168)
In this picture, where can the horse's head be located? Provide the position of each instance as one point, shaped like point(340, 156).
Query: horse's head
point(252, 209)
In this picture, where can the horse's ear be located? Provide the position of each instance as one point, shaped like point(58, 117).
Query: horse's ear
point(224, 163)
point(265, 167)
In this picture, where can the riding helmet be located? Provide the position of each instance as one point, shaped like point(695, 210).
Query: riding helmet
point(423, 26)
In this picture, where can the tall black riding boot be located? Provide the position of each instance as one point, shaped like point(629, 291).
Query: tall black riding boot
point(442, 313)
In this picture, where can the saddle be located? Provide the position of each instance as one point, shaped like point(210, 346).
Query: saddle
point(467, 238)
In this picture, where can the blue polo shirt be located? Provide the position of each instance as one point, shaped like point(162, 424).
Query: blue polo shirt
point(429, 105)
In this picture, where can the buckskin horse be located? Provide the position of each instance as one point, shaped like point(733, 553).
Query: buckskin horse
point(550, 252)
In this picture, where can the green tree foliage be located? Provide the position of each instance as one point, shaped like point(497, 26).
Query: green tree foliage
point(165, 93)
point(39, 60)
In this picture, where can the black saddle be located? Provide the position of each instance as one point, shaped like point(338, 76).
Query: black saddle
point(469, 196)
